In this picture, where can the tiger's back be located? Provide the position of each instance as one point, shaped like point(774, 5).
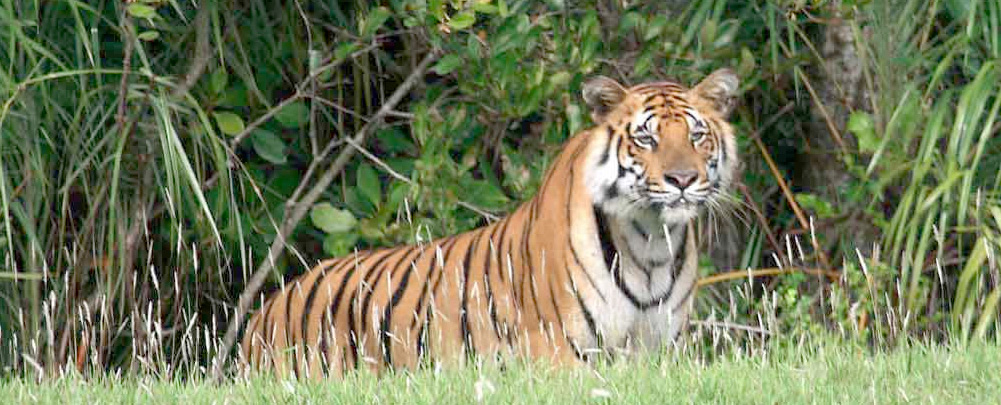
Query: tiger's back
point(602, 259)
point(446, 299)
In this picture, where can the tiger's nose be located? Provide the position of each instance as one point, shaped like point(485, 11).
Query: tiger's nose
point(681, 178)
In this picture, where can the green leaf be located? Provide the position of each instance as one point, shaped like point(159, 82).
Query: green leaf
point(344, 50)
point(818, 205)
point(485, 194)
point(862, 126)
point(559, 79)
point(284, 181)
point(218, 81)
point(397, 193)
point(958, 8)
point(374, 20)
point(447, 64)
point(339, 244)
point(269, 146)
point(148, 35)
point(371, 229)
point(485, 8)
point(229, 123)
point(655, 28)
point(235, 95)
point(368, 184)
point(293, 115)
point(332, 220)
point(462, 20)
point(139, 10)
point(747, 63)
point(393, 141)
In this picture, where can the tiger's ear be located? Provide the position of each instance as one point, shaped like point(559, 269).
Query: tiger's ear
point(719, 89)
point(602, 94)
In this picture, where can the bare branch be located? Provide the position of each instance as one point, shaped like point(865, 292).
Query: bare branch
point(296, 210)
point(203, 53)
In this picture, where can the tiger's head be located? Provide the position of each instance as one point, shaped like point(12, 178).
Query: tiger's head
point(667, 151)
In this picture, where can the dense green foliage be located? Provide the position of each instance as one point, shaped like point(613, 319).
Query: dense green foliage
point(152, 153)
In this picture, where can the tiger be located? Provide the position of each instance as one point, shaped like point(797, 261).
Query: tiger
point(602, 260)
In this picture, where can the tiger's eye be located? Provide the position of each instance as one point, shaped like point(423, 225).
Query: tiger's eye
point(644, 140)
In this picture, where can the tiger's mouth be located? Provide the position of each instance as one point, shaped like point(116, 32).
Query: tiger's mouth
point(686, 199)
point(670, 208)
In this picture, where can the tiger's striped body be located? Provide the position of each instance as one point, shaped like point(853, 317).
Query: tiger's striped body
point(602, 259)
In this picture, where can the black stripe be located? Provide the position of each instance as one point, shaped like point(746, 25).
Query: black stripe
point(622, 171)
point(507, 262)
point(526, 260)
point(612, 192)
point(421, 344)
point(322, 324)
point(427, 278)
point(587, 273)
point(529, 270)
point(679, 255)
point(467, 338)
point(647, 271)
point(722, 149)
point(501, 241)
point(647, 121)
point(307, 308)
point(588, 318)
point(609, 252)
point(678, 267)
point(487, 265)
point(354, 333)
point(387, 316)
point(289, 330)
point(429, 313)
point(367, 302)
point(573, 249)
point(335, 303)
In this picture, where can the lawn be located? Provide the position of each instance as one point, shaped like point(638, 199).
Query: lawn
point(829, 373)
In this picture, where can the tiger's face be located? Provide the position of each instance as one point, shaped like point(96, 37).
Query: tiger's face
point(668, 152)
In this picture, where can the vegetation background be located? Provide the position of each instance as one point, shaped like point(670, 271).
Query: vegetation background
point(164, 161)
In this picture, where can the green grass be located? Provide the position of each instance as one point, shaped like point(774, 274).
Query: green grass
point(153, 153)
point(827, 373)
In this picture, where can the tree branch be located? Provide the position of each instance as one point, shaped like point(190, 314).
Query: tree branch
point(296, 210)
point(203, 53)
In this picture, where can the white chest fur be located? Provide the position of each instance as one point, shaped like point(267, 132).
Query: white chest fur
point(643, 301)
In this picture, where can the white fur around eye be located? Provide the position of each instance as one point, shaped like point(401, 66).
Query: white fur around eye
point(644, 125)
